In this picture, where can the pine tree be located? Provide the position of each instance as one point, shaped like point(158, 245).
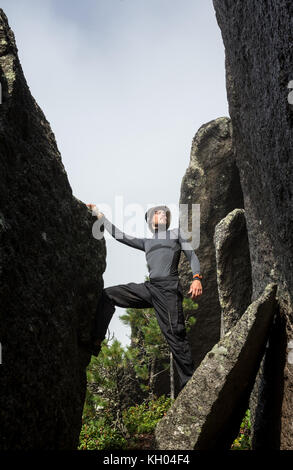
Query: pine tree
point(148, 346)
point(107, 377)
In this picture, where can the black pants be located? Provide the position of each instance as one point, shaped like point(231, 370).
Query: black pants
point(165, 295)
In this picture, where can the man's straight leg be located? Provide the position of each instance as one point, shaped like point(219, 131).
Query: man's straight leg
point(167, 301)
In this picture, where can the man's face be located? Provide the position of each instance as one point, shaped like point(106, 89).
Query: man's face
point(159, 217)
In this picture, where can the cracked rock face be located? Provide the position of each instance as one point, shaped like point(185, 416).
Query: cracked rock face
point(208, 411)
point(258, 46)
point(233, 267)
point(212, 181)
point(50, 274)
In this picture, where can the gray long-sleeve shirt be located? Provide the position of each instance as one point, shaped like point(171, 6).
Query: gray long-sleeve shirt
point(162, 251)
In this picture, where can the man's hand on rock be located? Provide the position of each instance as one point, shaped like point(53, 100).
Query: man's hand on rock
point(95, 211)
point(195, 289)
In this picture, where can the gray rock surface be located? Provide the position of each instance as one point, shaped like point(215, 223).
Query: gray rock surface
point(207, 413)
point(50, 274)
point(233, 267)
point(258, 46)
point(211, 180)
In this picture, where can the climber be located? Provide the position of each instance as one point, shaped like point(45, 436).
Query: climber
point(163, 291)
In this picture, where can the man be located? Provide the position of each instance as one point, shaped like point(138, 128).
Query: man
point(162, 292)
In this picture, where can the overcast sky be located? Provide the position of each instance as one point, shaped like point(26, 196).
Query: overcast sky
point(125, 85)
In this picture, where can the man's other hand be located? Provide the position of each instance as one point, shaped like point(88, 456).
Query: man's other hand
point(95, 210)
point(195, 289)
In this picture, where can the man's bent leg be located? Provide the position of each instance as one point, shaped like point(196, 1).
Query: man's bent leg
point(131, 295)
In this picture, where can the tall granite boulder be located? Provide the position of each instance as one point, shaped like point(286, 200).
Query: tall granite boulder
point(233, 268)
point(257, 36)
point(208, 411)
point(51, 274)
point(211, 180)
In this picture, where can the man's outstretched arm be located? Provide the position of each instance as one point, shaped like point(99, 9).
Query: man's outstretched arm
point(122, 237)
point(115, 232)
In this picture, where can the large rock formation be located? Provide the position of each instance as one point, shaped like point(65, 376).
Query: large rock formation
point(233, 268)
point(258, 42)
point(211, 180)
point(208, 411)
point(51, 274)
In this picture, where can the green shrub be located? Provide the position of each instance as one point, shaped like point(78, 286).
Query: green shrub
point(98, 434)
point(243, 440)
point(144, 418)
